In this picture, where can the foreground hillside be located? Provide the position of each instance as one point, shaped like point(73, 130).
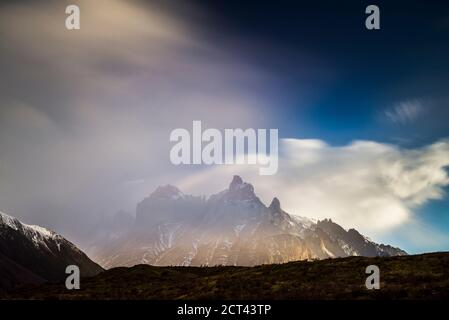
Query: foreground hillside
point(404, 277)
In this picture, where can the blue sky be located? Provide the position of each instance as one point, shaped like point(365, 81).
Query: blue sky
point(339, 77)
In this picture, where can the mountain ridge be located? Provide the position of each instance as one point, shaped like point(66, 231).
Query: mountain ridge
point(33, 254)
point(232, 227)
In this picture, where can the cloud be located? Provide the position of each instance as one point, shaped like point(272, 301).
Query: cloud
point(374, 187)
point(85, 115)
point(404, 112)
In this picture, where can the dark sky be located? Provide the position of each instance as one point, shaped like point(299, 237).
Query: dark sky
point(351, 73)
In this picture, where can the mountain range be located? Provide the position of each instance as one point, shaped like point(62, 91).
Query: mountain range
point(171, 228)
point(232, 227)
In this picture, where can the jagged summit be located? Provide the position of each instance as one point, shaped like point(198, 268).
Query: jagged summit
point(36, 232)
point(167, 192)
point(240, 190)
point(275, 205)
point(6, 219)
point(235, 183)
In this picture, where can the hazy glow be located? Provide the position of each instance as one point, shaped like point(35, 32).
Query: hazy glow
point(367, 185)
point(85, 116)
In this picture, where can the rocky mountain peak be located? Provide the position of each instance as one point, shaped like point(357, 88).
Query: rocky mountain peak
point(232, 227)
point(275, 205)
point(168, 191)
point(240, 190)
point(236, 183)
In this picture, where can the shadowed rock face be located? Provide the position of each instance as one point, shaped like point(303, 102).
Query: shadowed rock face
point(32, 254)
point(232, 227)
point(275, 205)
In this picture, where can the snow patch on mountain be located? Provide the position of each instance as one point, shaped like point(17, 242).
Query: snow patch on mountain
point(36, 233)
point(9, 221)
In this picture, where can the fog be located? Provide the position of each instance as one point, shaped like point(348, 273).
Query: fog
point(85, 115)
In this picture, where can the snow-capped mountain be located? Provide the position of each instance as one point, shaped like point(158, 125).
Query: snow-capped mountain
point(232, 227)
point(33, 254)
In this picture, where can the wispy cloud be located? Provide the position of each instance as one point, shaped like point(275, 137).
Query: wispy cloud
point(404, 112)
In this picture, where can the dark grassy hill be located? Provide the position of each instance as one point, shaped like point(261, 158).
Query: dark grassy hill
point(407, 277)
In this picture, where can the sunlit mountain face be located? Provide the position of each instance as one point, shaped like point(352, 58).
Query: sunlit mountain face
point(232, 227)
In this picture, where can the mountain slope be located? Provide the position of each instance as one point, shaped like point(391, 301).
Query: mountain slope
point(232, 227)
point(32, 254)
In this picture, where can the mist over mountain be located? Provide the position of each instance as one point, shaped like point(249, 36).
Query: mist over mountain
point(232, 227)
